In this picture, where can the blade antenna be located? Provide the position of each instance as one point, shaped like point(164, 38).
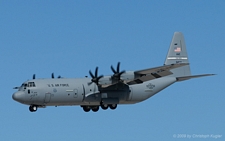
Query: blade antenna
point(34, 76)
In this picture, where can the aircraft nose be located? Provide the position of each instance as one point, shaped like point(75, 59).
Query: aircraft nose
point(18, 96)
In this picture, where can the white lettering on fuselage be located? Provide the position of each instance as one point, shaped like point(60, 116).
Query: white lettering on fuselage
point(58, 85)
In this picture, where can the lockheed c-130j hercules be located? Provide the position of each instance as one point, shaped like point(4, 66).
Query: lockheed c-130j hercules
point(122, 87)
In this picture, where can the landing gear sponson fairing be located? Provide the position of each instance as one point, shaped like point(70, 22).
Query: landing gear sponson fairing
point(123, 87)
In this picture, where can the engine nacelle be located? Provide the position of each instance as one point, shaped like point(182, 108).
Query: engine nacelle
point(127, 76)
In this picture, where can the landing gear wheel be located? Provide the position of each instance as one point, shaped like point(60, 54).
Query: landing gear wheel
point(95, 108)
point(104, 106)
point(113, 106)
point(86, 108)
point(33, 108)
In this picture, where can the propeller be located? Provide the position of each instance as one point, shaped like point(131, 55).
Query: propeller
point(95, 78)
point(117, 74)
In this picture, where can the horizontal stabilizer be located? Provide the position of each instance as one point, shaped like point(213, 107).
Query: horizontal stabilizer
point(192, 76)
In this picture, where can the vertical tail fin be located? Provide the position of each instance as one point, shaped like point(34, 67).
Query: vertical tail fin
point(178, 54)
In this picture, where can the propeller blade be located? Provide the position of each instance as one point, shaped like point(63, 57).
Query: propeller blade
point(122, 72)
point(118, 67)
point(96, 72)
point(99, 77)
point(91, 74)
point(95, 78)
point(113, 70)
point(117, 72)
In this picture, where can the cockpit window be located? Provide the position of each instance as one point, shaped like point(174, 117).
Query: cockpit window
point(23, 86)
point(31, 84)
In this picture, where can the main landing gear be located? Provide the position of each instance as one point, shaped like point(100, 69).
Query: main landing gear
point(89, 108)
point(113, 106)
point(96, 108)
point(33, 108)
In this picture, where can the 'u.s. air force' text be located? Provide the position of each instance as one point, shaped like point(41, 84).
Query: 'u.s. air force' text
point(58, 85)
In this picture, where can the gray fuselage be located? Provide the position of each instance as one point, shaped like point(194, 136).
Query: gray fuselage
point(63, 91)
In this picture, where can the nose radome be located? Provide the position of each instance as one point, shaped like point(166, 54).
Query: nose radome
point(18, 96)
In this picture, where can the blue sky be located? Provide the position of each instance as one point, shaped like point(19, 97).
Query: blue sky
point(71, 37)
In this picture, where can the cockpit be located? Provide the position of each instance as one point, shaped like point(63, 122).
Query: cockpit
point(25, 85)
point(30, 84)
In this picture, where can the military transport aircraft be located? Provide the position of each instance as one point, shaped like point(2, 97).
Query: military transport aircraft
point(122, 87)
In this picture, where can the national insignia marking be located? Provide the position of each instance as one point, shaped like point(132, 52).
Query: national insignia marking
point(150, 86)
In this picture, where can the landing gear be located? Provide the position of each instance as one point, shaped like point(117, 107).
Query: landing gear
point(86, 108)
point(104, 106)
point(113, 106)
point(33, 108)
point(95, 108)
point(89, 108)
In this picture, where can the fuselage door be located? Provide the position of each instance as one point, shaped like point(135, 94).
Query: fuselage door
point(47, 97)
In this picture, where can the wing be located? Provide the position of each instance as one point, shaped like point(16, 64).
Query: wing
point(153, 73)
point(140, 77)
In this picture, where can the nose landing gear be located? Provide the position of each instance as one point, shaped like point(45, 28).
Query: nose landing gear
point(33, 108)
